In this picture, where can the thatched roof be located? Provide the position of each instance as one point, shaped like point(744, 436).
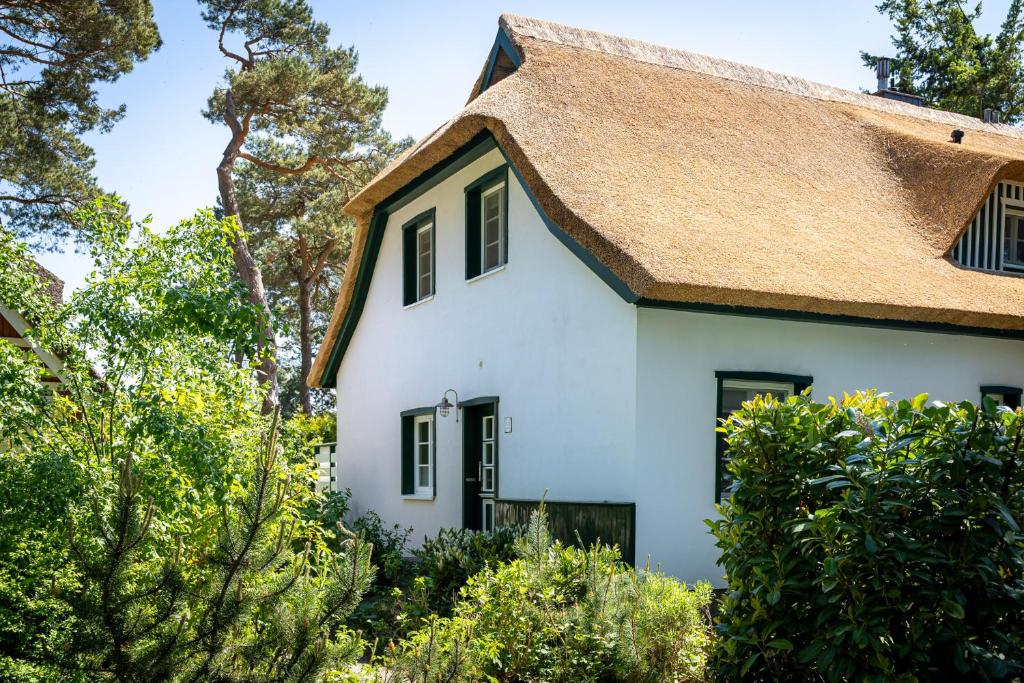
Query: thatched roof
point(698, 180)
point(53, 286)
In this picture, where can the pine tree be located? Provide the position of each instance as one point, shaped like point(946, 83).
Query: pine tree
point(52, 55)
point(287, 84)
point(941, 56)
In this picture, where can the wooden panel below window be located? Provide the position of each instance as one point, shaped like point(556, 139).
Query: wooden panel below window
point(611, 523)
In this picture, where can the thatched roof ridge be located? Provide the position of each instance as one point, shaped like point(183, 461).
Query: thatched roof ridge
point(700, 181)
point(526, 27)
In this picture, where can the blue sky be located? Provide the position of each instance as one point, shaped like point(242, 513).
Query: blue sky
point(161, 156)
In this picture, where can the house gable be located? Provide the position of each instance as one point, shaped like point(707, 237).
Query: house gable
point(479, 145)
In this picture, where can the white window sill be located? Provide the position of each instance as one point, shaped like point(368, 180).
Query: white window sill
point(414, 304)
point(418, 496)
point(481, 276)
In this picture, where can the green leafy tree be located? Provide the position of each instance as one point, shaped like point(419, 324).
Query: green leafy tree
point(151, 521)
point(941, 56)
point(52, 54)
point(287, 85)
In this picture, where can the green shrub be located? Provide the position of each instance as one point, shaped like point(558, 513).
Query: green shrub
point(450, 558)
point(873, 540)
point(559, 613)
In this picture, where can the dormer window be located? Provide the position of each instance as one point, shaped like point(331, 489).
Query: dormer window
point(994, 241)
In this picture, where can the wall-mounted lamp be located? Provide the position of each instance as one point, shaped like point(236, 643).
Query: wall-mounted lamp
point(445, 406)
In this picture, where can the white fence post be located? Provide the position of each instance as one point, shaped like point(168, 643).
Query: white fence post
point(327, 459)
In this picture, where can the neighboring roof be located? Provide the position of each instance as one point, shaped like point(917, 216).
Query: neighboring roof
point(13, 324)
point(53, 285)
point(700, 181)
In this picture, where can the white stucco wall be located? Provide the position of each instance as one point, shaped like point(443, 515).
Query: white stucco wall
point(677, 356)
point(544, 334)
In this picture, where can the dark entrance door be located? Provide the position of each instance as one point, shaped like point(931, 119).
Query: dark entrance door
point(479, 463)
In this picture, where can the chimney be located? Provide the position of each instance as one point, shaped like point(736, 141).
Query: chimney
point(883, 69)
point(990, 115)
point(886, 89)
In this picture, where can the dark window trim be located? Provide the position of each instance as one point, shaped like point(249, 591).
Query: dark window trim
point(1016, 392)
point(479, 401)
point(495, 176)
point(799, 382)
point(408, 454)
point(473, 191)
point(410, 289)
point(412, 412)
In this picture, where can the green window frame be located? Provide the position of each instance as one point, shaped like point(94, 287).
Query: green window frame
point(411, 443)
point(1002, 395)
point(487, 253)
point(419, 236)
point(746, 380)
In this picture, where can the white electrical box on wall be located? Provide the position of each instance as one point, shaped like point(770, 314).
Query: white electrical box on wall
point(508, 425)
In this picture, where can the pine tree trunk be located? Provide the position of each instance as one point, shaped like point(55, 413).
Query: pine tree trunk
point(305, 342)
point(248, 270)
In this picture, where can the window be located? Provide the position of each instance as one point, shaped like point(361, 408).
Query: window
point(424, 449)
point(487, 515)
point(418, 476)
point(734, 389)
point(1013, 239)
point(1002, 395)
point(491, 203)
point(487, 461)
point(418, 258)
point(487, 223)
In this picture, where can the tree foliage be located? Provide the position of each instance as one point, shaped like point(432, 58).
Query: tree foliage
point(52, 55)
point(941, 56)
point(151, 521)
point(873, 540)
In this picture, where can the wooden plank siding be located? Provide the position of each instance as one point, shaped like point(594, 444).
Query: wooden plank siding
point(609, 523)
point(981, 246)
point(7, 329)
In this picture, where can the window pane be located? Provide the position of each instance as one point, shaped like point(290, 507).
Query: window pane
point(424, 454)
point(488, 456)
point(423, 477)
point(1013, 240)
point(488, 515)
point(424, 240)
point(492, 206)
point(423, 431)
point(492, 256)
point(732, 399)
point(488, 482)
point(488, 427)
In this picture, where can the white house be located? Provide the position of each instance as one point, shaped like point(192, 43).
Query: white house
point(615, 243)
